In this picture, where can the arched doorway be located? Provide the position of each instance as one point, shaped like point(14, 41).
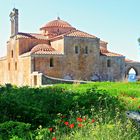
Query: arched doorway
point(131, 74)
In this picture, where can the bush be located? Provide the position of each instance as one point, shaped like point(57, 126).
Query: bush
point(40, 106)
point(11, 128)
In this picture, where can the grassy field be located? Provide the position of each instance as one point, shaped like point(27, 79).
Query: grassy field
point(95, 111)
point(114, 88)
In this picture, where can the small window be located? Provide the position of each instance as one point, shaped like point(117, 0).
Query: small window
point(8, 66)
point(108, 63)
point(15, 65)
point(12, 53)
point(35, 80)
point(86, 50)
point(76, 50)
point(51, 62)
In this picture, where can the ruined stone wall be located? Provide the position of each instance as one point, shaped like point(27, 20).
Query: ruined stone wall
point(115, 72)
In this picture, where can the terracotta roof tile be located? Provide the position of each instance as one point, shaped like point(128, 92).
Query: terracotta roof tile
point(57, 23)
point(47, 52)
point(111, 54)
point(31, 35)
point(78, 33)
point(43, 49)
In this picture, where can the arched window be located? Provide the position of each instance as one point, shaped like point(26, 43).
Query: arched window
point(108, 63)
point(12, 53)
point(15, 65)
point(76, 49)
point(86, 50)
point(8, 66)
point(35, 80)
point(51, 62)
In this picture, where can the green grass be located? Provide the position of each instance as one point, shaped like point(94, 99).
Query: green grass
point(113, 88)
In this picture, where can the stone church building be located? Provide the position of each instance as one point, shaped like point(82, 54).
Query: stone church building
point(60, 52)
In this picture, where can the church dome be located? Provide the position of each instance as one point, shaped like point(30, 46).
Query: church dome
point(58, 24)
point(42, 48)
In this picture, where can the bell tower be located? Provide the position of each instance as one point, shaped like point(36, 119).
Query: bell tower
point(14, 22)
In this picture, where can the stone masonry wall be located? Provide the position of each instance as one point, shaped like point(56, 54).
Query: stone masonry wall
point(41, 63)
point(80, 66)
point(3, 70)
point(116, 70)
point(14, 69)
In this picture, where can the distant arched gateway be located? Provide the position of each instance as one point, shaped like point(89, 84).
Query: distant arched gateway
point(132, 68)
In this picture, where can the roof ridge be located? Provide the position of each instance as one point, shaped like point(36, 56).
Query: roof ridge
point(32, 35)
point(84, 34)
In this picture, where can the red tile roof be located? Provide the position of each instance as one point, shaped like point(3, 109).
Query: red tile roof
point(57, 23)
point(110, 54)
point(31, 35)
point(78, 33)
point(43, 49)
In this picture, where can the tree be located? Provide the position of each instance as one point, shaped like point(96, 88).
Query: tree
point(139, 41)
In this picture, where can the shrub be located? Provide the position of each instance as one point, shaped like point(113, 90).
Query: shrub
point(11, 128)
point(40, 106)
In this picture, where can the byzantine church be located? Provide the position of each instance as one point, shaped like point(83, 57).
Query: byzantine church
point(60, 53)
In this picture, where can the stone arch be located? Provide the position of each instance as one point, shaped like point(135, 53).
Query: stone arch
point(129, 68)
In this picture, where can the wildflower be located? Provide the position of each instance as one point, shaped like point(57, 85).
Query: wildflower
point(85, 119)
point(66, 123)
point(53, 138)
point(93, 121)
point(71, 125)
point(79, 119)
point(80, 125)
point(51, 129)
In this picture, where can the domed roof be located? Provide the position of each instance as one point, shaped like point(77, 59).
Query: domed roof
point(42, 48)
point(57, 23)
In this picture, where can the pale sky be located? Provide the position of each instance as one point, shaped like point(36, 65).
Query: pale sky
point(114, 21)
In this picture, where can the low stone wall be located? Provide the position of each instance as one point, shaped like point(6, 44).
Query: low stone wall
point(51, 80)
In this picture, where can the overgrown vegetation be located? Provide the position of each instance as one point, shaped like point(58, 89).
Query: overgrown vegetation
point(51, 112)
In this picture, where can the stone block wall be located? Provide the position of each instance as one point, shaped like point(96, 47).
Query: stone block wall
point(41, 63)
point(81, 66)
point(116, 70)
